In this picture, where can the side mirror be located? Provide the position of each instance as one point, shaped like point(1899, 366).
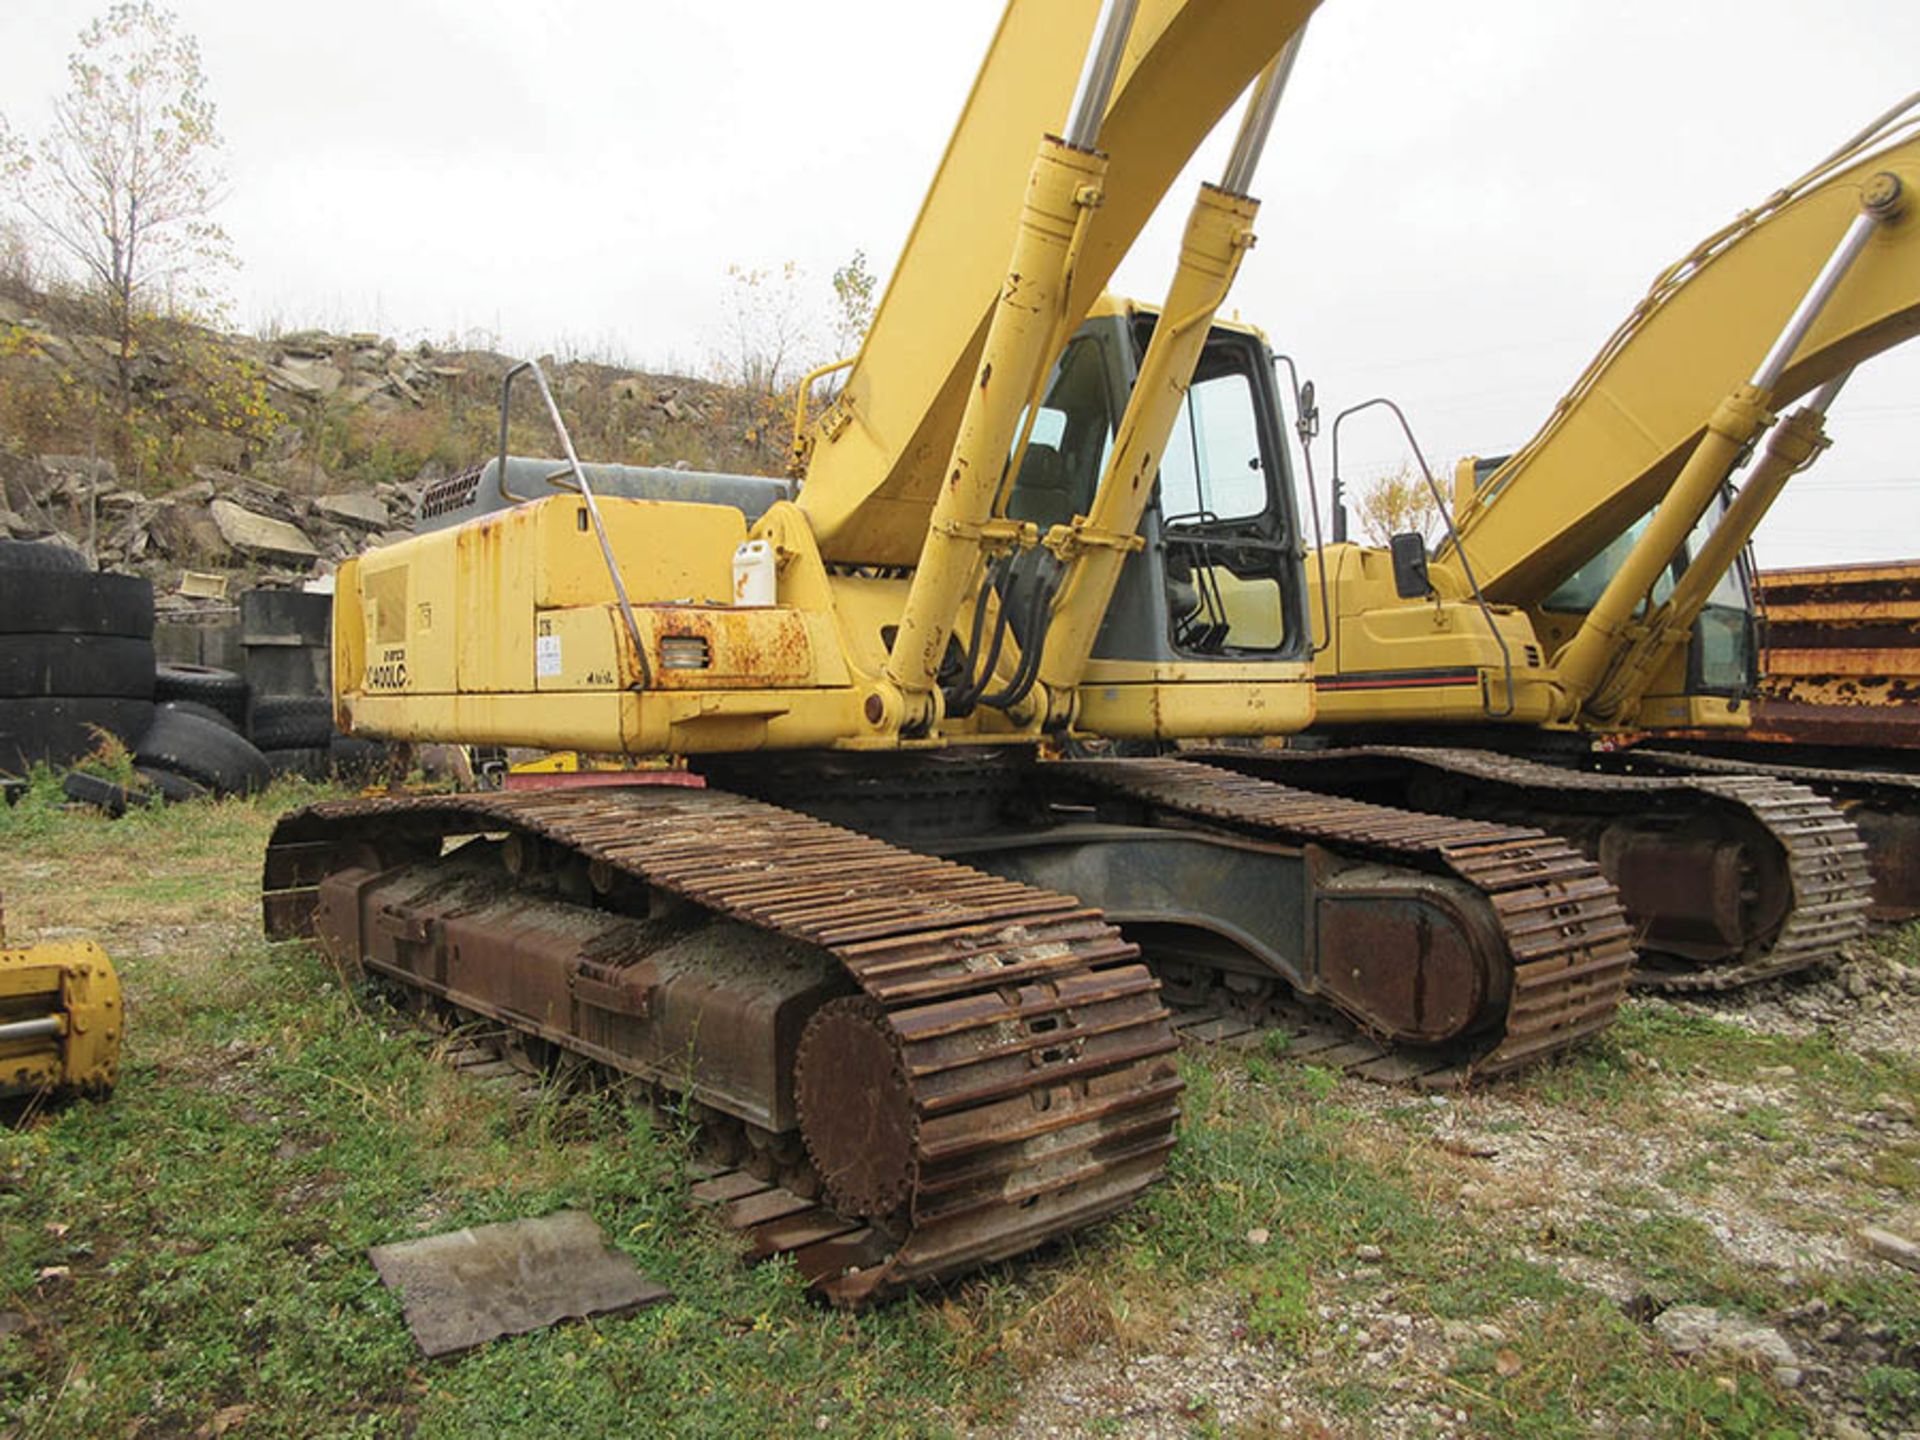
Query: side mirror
point(1409, 552)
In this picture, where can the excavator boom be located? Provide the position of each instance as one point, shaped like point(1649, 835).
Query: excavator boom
point(878, 453)
point(1621, 435)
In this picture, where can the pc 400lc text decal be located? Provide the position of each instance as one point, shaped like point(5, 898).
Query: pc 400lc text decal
point(389, 672)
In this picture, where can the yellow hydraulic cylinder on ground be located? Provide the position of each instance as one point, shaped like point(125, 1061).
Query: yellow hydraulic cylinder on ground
point(60, 1020)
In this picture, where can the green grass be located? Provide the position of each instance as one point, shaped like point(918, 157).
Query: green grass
point(196, 1243)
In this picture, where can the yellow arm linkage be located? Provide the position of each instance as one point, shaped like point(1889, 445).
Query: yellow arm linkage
point(880, 452)
point(1792, 445)
point(1662, 392)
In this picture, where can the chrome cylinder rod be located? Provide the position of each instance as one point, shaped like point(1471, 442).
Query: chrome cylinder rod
point(1815, 300)
point(31, 1029)
point(1258, 121)
point(1102, 69)
point(1821, 401)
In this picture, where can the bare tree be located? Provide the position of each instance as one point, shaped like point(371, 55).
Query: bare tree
point(769, 328)
point(123, 183)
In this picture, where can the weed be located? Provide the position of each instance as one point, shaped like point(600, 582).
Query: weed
point(1892, 1394)
point(1280, 1308)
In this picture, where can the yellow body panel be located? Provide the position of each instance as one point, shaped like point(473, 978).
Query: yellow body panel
point(1392, 660)
point(805, 673)
point(1179, 704)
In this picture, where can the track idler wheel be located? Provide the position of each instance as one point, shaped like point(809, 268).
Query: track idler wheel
point(856, 1108)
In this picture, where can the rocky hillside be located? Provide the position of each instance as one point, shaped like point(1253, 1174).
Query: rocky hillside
point(344, 431)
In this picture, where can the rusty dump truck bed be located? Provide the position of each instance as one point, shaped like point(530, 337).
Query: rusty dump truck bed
point(1835, 711)
point(1841, 663)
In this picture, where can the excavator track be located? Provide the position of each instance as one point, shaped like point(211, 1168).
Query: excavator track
point(1883, 804)
point(997, 1073)
point(1561, 920)
point(1826, 880)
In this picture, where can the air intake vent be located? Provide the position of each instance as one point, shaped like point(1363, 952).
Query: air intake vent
point(456, 492)
point(1532, 657)
point(685, 652)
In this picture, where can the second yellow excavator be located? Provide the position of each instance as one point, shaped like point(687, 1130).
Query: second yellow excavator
point(1592, 586)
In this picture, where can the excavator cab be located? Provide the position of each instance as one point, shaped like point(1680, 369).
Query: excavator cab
point(1221, 574)
point(1723, 657)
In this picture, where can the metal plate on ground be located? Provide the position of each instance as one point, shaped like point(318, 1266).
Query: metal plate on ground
point(465, 1288)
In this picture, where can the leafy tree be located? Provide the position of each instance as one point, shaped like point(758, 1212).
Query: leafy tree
point(772, 331)
point(123, 183)
point(854, 286)
point(1395, 504)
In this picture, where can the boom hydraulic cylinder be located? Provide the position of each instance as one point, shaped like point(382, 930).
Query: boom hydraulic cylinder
point(1791, 446)
point(1095, 546)
point(1735, 422)
point(1025, 331)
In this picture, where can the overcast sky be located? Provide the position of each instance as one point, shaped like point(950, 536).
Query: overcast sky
point(1461, 199)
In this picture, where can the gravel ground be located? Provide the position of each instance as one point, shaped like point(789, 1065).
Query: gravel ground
point(1545, 1175)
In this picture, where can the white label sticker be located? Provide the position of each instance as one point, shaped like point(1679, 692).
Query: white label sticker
point(546, 655)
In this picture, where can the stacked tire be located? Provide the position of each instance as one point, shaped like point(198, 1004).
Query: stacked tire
point(195, 745)
point(295, 733)
point(76, 656)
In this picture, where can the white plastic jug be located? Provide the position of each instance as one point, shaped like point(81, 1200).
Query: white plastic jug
point(753, 573)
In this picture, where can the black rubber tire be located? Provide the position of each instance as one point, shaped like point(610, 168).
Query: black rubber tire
point(76, 665)
point(58, 602)
point(60, 729)
point(211, 754)
point(205, 712)
point(41, 556)
point(292, 722)
point(116, 800)
point(356, 759)
point(221, 690)
point(312, 762)
point(174, 789)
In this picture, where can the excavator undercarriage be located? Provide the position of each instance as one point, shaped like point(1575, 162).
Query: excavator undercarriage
point(912, 1066)
point(1449, 949)
point(1727, 880)
point(1883, 805)
point(949, 1068)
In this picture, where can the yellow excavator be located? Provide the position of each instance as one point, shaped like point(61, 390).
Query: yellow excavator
point(1591, 586)
point(890, 952)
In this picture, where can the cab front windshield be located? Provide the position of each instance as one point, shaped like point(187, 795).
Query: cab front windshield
point(1223, 537)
